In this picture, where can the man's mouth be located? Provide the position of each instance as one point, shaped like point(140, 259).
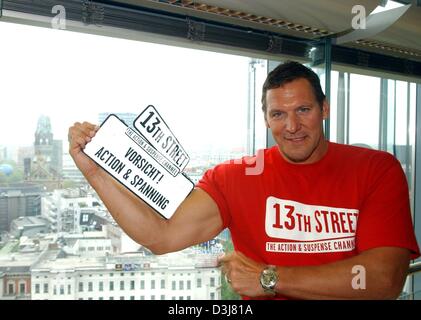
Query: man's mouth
point(296, 139)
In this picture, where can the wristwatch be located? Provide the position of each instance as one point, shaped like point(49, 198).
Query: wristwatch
point(268, 279)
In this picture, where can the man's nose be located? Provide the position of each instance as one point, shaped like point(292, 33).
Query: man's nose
point(293, 124)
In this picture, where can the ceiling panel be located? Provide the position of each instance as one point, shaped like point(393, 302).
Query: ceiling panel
point(330, 16)
point(405, 32)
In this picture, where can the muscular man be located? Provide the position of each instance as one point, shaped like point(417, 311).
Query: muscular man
point(317, 216)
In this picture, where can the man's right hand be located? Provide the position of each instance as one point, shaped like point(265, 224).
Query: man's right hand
point(79, 135)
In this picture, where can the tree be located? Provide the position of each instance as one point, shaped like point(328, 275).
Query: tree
point(15, 176)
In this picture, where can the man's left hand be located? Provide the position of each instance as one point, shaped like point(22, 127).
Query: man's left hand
point(243, 274)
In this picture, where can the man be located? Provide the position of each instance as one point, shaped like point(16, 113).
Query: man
point(322, 220)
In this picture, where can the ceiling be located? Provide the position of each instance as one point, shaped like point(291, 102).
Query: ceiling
point(303, 18)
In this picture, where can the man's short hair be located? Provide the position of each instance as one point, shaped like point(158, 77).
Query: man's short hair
point(290, 71)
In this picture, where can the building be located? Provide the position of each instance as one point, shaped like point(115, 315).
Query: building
point(29, 226)
point(19, 200)
point(71, 172)
point(15, 271)
point(47, 162)
point(87, 244)
point(1, 284)
point(125, 277)
point(3, 153)
point(70, 210)
point(120, 241)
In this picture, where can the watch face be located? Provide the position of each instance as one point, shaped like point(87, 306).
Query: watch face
point(269, 278)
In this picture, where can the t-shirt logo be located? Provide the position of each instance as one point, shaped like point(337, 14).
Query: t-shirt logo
point(308, 228)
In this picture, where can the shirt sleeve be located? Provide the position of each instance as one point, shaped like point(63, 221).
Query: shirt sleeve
point(215, 183)
point(385, 215)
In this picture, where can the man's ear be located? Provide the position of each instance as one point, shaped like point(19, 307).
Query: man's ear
point(325, 109)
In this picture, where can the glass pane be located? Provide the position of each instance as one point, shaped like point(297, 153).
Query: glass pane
point(364, 110)
point(211, 101)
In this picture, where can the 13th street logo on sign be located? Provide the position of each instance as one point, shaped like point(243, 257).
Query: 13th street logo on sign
point(151, 173)
point(151, 125)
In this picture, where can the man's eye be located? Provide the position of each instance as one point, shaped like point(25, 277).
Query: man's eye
point(276, 114)
point(303, 110)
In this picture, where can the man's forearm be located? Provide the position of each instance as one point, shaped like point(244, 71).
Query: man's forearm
point(134, 216)
point(371, 275)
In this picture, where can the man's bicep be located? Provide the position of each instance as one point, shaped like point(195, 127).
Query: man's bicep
point(196, 220)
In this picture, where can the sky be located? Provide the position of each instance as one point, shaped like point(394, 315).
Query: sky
point(71, 77)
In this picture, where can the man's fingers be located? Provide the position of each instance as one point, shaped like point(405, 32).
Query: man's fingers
point(85, 130)
point(88, 129)
point(80, 134)
point(89, 126)
point(81, 142)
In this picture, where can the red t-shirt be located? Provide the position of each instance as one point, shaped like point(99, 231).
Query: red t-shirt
point(351, 200)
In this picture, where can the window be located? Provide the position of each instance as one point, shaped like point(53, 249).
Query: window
point(212, 296)
point(61, 289)
point(69, 289)
point(11, 288)
point(229, 141)
point(212, 281)
point(121, 285)
point(132, 285)
point(37, 288)
point(188, 284)
point(199, 283)
point(358, 106)
point(22, 288)
point(142, 284)
point(152, 297)
point(121, 297)
point(162, 297)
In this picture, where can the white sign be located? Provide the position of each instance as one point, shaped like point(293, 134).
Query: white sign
point(120, 151)
point(151, 125)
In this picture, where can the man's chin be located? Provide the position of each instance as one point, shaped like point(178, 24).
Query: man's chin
point(295, 157)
